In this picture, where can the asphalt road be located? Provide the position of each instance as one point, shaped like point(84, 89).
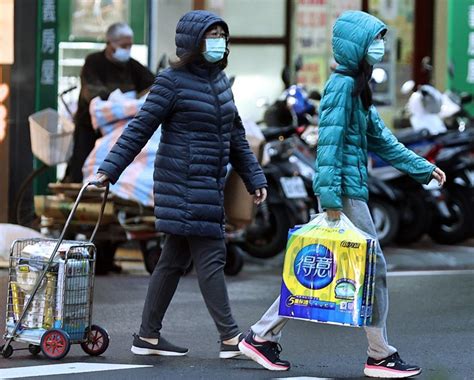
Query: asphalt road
point(431, 323)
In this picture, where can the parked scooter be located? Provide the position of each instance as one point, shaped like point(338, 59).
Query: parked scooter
point(454, 221)
point(289, 201)
point(296, 108)
point(383, 201)
point(423, 208)
point(411, 201)
point(429, 109)
point(289, 170)
point(444, 213)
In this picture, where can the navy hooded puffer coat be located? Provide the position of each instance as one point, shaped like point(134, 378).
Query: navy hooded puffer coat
point(201, 133)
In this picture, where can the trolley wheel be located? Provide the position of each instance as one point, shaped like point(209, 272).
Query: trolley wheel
point(7, 351)
point(97, 341)
point(34, 349)
point(55, 344)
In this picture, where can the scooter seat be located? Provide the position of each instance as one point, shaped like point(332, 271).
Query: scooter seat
point(411, 137)
point(273, 133)
point(456, 138)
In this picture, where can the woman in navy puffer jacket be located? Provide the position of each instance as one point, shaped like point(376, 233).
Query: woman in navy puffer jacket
point(201, 134)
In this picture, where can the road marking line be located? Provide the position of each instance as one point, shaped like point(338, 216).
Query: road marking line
point(61, 369)
point(304, 378)
point(429, 272)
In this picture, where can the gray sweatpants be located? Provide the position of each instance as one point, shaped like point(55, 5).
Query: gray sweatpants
point(270, 325)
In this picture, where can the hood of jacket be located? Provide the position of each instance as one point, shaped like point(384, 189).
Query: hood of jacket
point(191, 28)
point(353, 32)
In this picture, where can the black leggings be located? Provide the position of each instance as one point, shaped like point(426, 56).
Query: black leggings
point(209, 257)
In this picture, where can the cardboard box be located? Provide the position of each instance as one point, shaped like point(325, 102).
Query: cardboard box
point(238, 203)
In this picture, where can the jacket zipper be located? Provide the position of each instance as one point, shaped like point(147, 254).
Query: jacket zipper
point(219, 128)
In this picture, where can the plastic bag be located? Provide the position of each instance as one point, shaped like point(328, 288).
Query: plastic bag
point(328, 273)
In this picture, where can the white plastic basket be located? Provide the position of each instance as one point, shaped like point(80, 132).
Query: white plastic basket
point(51, 136)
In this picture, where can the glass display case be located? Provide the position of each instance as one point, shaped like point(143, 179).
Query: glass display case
point(81, 31)
point(89, 18)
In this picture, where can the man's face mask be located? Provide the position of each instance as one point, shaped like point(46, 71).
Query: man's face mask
point(121, 55)
point(215, 49)
point(375, 52)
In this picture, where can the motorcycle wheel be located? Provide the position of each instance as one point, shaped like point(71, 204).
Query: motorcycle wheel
point(105, 257)
point(151, 251)
point(234, 260)
point(415, 218)
point(268, 241)
point(456, 228)
point(386, 220)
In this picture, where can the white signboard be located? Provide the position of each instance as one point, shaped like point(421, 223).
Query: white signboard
point(311, 26)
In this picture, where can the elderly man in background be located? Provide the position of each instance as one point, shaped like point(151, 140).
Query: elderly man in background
point(102, 73)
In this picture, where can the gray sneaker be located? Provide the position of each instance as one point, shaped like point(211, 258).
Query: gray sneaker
point(163, 348)
point(229, 351)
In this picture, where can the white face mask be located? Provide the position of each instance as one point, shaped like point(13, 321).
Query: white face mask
point(215, 49)
point(375, 52)
point(121, 55)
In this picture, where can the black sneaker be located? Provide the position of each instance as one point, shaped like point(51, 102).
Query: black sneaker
point(392, 367)
point(229, 351)
point(267, 354)
point(164, 348)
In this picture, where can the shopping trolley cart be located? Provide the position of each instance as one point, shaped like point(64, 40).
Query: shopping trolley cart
point(50, 294)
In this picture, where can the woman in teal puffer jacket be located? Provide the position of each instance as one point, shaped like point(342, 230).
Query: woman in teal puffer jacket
point(349, 126)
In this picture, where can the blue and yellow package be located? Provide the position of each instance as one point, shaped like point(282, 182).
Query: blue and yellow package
point(328, 273)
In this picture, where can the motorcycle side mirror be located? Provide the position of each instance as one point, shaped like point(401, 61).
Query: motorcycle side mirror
point(298, 63)
point(407, 87)
point(286, 77)
point(310, 120)
point(162, 63)
point(315, 95)
point(426, 64)
point(451, 70)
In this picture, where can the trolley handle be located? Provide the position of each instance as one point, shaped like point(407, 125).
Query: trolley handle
point(76, 204)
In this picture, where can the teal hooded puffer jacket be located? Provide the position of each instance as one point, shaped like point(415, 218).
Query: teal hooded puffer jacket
point(347, 130)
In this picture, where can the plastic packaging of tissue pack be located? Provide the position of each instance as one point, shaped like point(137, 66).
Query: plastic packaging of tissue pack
point(328, 273)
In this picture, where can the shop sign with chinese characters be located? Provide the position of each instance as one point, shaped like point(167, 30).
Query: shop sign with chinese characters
point(46, 73)
point(313, 24)
point(461, 46)
point(47, 55)
point(470, 44)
